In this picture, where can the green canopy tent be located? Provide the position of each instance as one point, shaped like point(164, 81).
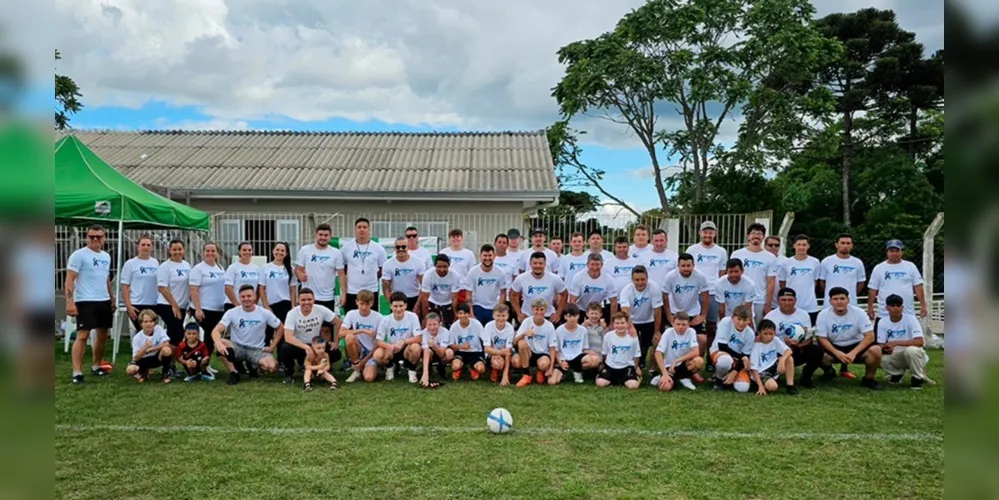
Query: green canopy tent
point(89, 191)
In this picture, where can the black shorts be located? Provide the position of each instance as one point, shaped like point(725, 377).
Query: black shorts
point(681, 372)
point(400, 358)
point(859, 359)
point(148, 363)
point(533, 363)
point(469, 358)
point(698, 328)
point(815, 317)
point(94, 315)
point(174, 325)
point(769, 373)
point(575, 364)
point(445, 312)
point(618, 376)
point(411, 303)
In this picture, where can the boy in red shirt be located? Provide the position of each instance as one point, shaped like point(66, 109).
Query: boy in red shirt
point(193, 355)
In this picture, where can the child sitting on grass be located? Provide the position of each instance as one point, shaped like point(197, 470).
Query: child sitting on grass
point(770, 359)
point(678, 355)
point(317, 364)
point(193, 355)
point(622, 353)
point(150, 349)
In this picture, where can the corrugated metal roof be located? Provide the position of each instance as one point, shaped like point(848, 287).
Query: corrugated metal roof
point(362, 162)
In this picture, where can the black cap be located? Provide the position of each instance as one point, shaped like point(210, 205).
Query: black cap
point(536, 231)
point(787, 292)
point(513, 233)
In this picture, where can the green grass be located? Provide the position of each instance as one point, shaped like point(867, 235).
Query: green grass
point(324, 460)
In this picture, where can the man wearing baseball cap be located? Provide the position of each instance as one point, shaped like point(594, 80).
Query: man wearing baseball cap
point(709, 260)
point(895, 276)
point(514, 251)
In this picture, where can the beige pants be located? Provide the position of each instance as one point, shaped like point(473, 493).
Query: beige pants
point(905, 358)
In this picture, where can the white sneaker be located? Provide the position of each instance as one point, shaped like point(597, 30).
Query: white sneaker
point(353, 377)
point(577, 377)
point(192, 378)
point(689, 384)
point(211, 370)
point(390, 373)
point(412, 377)
point(655, 380)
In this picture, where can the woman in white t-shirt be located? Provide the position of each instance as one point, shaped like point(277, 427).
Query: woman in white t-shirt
point(173, 280)
point(138, 281)
point(277, 285)
point(239, 273)
point(207, 288)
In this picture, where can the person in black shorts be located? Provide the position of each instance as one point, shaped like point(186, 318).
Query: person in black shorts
point(90, 298)
point(621, 354)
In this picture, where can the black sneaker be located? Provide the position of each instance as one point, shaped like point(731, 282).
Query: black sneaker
point(289, 380)
point(98, 372)
point(916, 383)
point(253, 372)
point(807, 383)
point(792, 390)
point(78, 379)
point(233, 378)
point(719, 386)
point(828, 376)
point(871, 384)
point(895, 379)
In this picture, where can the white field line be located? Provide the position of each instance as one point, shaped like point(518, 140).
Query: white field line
point(665, 433)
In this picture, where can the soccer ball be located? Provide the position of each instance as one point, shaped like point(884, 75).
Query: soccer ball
point(796, 333)
point(500, 421)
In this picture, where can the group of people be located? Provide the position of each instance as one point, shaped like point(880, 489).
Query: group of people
point(613, 316)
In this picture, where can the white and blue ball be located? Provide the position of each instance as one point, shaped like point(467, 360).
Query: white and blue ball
point(500, 421)
point(796, 333)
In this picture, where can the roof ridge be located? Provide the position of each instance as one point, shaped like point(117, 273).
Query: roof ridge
point(279, 132)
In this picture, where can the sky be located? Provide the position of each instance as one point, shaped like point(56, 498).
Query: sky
point(377, 65)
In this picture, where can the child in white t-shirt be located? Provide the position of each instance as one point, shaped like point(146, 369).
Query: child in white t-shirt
point(678, 355)
point(596, 327)
point(621, 355)
point(769, 359)
point(150, 348)
point(497, 342)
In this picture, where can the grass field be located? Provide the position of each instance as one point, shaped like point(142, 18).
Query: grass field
point(115, 438)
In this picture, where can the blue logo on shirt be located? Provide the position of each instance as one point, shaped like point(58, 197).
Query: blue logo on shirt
point(249, 323)
point(615, 349)
point(440, 287)
point(396, 332)
point(706, 258)
point(576, 265)
point(361, 326)
point(623, 269)
point(638, 301)
point(734, 295)
point(247, 274)
point(841, 269)
point(101, 262)
point(456, 258)
point(658, 262)
point(768, 355)
point(890, 275)
point(213, 274)
point(499, 342)
point(896, 334)
point(182, 272)
point(566, 343)
point(146, 270)
point(402, 272)
point(277, 274)
point(678, 289)
point(485, 281)
point(841, 328)
point(466, 340)
point(681, 345)
point(535, 290)
point(359, 254)
point(800, 271)
point(592, 289)
point(734, 340)
point(320, 258)
point(752, 264)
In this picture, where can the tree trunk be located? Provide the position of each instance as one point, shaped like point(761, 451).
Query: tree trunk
point(847, 151)
point(698, 176)
point(913, 130)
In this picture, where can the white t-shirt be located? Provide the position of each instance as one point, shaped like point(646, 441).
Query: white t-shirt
point(709, 261)
point(784, 322)
point(641, 304)
point(844, 330)
point(305, 327)
point(321, 267)
point(531, 288)
point(140, 338)
point(362, 263)
point(895, 279)
point(239, 274)
point(620, 270)
point(638, 253)
point(176, 276)
point(424, 255)
point(780, 262)
point(738, 341)
point(734, 294)
point(509, 264)
point(589, 290)
point(210, 281)
point(759, 267)
point(685, 293)
point(497, 338)
point(620, 352)
point(278, 282)
point(442, 339)
point(571, 265)
point(845, 273)
point(551, 260)
point(471, 334)
point(140, 276)
point(485, 286)
point(674, 346)
point(800, 276)
point(544, 336)
point(461, 260)
point(393, 331)
point(766, 355)
point(441, 288)
point(570, 344)
point(353, 320)
point(404, 276)
point(658, 265)
point(248, 328)
point(93, 270)
point(906, 329)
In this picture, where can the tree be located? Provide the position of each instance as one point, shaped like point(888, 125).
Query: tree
point(67, 95)
point(707, 60)
point(867, 36)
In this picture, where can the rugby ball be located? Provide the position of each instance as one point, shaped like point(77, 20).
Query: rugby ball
point(796, 333)
point(500, 421)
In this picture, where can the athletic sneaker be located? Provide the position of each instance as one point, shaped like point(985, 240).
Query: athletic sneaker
point(353, 377)
point(77, 379)
point(412, 377)
point(872, 384)
point(828, 376)
point(494, 375)
point(848, 375)
point(456, 374)
point(192, 378)
point(473, 373)
point(895, 379)
point(792, 390)
point(540, 377)
point(390, 373)
point(577, 377)
point(207, 377)
point(686, 382)
point(98, 371)
point(212, 371)
point(807, 383)
point(233, 378)
point(253, 372)
point(719, 385)
point(525, 381)
point(289, 380)
point(916, 383)
point(655, 380)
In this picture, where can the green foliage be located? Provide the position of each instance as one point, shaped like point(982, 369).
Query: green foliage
point(67, 95)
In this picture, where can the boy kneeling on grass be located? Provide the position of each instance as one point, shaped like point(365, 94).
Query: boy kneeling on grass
point(536, 344)
point(678, 355)
point(437, 348)
point(150, 349)
point(573, 348)
point(193, 355)
point(622, 353)
point(731, 348)
point(398, 342)
point(770, 359)
point(466, 333)
point(317, 364)
point(497, 341)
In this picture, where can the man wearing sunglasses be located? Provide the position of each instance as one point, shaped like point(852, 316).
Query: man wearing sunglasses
point(760, 267)
point(403, 273)
point(415, 250)
point(90, 299)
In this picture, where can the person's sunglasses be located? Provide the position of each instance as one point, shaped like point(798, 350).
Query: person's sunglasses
point(399, 248)
point(95, 236)
point(411, 236)
point(773, 245)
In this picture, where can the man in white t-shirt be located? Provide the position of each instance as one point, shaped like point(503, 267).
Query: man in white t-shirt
point(538, 284)
point(596, 241)
point(594, 287)
point(842, 270)
point(415, 250)
point(538, 245)
point(760, 267)
point(847, 336)
point(641, 245)
point(687, 291)
point(462, 259)
point(247, 327)
point(785, 318)
point(574, 262)
point(303, 323)
point(556, 246)
point(487, 284)
point(403, 273)
point(643, 301)
point(620, 265)
point(516, 248)
point(710, 260)
point(504, 260)
point(799, 273)
point(895, 276)
point(439, 291)
point(89, 297)
point(658, 260)
point(318, 267)
point(363, 259)
point(734, 290)
point(772, 245)
point(901, 339)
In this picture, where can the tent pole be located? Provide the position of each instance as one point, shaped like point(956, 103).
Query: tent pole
point(116, 324)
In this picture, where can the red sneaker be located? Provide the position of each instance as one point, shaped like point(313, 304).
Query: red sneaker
point(540, 377)
point(494, 376)
point(456, 374)
point(472, 372)
point(848, 375)
point(697, 378)
point(525, 381)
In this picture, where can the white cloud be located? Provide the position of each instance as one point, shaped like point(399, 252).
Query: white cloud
point(213, 124)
